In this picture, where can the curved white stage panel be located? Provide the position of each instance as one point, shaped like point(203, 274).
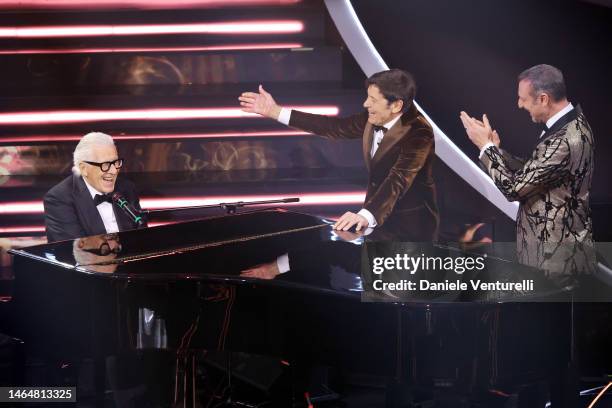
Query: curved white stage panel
point(370, 61)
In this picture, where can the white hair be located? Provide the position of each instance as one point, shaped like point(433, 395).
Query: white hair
point(84, 150)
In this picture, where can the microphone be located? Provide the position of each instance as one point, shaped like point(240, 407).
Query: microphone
point(127, 208)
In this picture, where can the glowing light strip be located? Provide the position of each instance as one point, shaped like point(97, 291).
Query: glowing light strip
point(219, 135)
point(242, 27)
point(370, 61)
point(236, 47)
point(601, 393)
point(305, 200)
point(159, 224)
point(23, 207)
point(347, 198)
point(18, 230)
point(140, 4)
point(80, 116)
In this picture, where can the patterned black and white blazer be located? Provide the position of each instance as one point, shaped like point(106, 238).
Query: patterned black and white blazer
point(553, 227)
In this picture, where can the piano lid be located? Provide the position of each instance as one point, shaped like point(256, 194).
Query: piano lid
point(187, 246)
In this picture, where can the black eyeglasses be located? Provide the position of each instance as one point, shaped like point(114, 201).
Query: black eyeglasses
point(105, 248)
point(105, 166)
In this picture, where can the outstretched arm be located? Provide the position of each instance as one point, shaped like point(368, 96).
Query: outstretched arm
point(262, 103)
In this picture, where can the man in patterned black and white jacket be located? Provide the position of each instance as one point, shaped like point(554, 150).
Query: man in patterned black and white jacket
point(554, 227)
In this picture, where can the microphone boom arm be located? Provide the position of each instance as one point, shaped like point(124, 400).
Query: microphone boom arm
point(230, 208)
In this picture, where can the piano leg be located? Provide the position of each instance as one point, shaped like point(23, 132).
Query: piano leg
point(399, 392)
point(185, 390)
point(99, 366)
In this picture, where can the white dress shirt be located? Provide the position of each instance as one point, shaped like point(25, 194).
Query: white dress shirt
point(554, 118)
point(549, 123)
point(106, 211)
point(379, 135)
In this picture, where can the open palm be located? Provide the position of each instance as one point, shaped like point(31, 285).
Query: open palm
point(261, 103)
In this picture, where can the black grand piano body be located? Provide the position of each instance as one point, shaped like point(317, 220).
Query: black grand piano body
point(185, 278)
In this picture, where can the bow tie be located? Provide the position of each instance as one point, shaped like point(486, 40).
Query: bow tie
point(102, 198)
point(379, 128)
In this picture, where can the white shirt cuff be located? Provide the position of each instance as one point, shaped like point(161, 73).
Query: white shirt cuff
point(284, 116)
point(368, 216)
point(484, 148)
point(282, 262)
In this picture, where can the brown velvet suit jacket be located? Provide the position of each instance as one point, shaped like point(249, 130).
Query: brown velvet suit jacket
point(401, 193)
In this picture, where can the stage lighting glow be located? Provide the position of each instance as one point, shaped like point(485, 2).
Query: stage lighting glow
point(232, 28)
point(22, 207)
point(108, 50)
point(157, 114)
point(136, 4)
point(15, 140)
point(347, 198)
point(601, 393)
point(22, 230)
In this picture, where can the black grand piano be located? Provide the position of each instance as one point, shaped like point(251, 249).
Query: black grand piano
point(178, 288)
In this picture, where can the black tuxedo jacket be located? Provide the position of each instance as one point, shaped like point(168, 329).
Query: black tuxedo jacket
point(401, 193)
point(70, 211)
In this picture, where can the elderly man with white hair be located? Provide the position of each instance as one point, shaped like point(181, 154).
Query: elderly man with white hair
point(81, 204)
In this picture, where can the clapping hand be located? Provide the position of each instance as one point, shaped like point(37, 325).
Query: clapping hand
point(479, 132)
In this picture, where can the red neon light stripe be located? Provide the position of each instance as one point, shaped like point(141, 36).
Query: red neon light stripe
point(219, 135)
point(141, 4)
point(241, 27)
point(236, 47)
point(18, 230)
point(80, 116)
point(347, 198)
point(305, 199)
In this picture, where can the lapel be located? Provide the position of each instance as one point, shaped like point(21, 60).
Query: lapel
point(392, 137)
point(123, 222)
point(368, 137)
point(88, 213)
point(563, 120)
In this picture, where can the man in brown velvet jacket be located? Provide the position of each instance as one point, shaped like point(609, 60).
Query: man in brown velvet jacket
point(398, 148)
